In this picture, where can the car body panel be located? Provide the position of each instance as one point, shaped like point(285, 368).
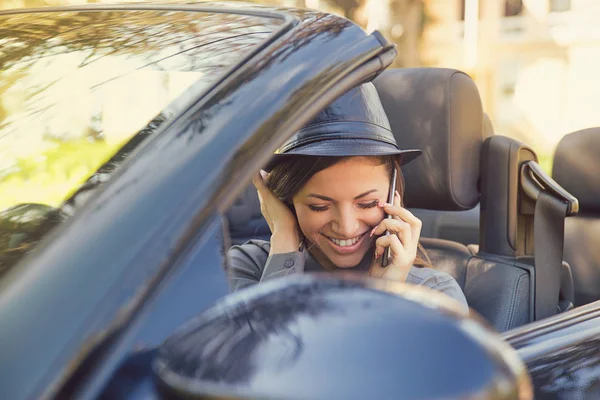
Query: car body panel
point(82, 284)
point(561, 353)
point(195, 283)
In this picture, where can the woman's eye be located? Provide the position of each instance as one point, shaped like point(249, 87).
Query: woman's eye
point(318, 208)
point(368, 205)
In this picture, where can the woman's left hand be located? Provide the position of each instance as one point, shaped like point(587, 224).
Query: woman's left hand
point(405, 230)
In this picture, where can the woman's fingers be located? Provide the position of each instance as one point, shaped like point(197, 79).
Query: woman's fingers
point(391, 241)
point(402, 214)
point(263, 194)
point(259, 183)
point(259, 180)
point(396, 227)
point(278, 215)
point(399, 265)
point(405, 229)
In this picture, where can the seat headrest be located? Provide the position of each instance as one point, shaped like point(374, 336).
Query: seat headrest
point(439, 111)
point(576, 165)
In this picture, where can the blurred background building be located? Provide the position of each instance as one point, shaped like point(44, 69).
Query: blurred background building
point(535, 62)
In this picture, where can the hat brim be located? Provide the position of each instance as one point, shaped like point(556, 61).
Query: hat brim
point(346, 148)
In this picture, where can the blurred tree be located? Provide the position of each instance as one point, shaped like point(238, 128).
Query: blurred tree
point(409, 18)
point(400, 21)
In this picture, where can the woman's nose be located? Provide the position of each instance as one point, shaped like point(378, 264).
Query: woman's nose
point(346, 224)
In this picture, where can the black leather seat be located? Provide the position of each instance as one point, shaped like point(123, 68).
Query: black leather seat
point(576, 166)
point(245, 219)
point(439, 111)
point(458, 226)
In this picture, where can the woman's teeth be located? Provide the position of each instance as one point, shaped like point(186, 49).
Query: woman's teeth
point(345, 243)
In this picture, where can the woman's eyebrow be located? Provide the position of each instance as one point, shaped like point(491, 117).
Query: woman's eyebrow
point(365, 193)
point(318, 196)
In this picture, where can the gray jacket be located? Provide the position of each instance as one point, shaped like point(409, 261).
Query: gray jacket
point(250, 263)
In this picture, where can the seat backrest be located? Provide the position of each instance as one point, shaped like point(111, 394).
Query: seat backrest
point(439, 111)
point(448, 256)
point(245, 219)
point(458, 226)
point(576, 165)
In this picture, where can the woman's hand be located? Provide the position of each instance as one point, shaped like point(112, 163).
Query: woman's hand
point(285, 235)
point(405, 230)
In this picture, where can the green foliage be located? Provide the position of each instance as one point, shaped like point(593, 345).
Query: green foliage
point(52, 176)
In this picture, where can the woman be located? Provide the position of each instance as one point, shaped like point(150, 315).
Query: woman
point(325, 202)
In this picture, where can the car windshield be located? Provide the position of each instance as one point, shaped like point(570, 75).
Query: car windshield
point(80, 90)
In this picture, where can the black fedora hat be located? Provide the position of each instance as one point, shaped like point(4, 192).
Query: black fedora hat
point(353, 125)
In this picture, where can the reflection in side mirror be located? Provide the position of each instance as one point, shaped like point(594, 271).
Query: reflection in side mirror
point(319, 337)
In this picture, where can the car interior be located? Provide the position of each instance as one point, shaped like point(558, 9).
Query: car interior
point(477, 194)
point(459, 226)
point(576, 165)
point(492, 219)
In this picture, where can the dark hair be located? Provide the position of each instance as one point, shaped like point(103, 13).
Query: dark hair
point(292, 173)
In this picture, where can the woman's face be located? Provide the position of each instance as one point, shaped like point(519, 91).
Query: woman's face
point(337, 209)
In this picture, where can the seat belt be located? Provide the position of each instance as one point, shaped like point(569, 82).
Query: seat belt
point(549, 236)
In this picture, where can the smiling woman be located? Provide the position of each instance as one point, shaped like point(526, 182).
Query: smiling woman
point(325, 201)
point(336, 201)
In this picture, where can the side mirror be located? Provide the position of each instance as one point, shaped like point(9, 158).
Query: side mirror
point(321, 337)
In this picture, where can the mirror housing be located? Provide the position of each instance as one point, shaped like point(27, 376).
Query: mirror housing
point(339, 337)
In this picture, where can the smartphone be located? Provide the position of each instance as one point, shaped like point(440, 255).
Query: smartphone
point(388, 251)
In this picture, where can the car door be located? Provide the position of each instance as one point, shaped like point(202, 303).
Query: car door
point(74, 307)
point(561, 353)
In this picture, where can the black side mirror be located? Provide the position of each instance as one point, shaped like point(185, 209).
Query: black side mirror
point(320, 337)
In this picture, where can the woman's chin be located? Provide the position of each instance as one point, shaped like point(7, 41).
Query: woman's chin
point(347, 266)
point(346, 261)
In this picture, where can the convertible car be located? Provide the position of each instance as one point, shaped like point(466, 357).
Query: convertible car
point(129, 135)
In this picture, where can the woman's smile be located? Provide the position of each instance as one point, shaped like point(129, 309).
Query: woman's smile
point(346, 246)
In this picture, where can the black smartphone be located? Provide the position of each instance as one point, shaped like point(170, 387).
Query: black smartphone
point(388, 251)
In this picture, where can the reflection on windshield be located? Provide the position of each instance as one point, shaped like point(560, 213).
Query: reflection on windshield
point(76, 86)
point(80, 90)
